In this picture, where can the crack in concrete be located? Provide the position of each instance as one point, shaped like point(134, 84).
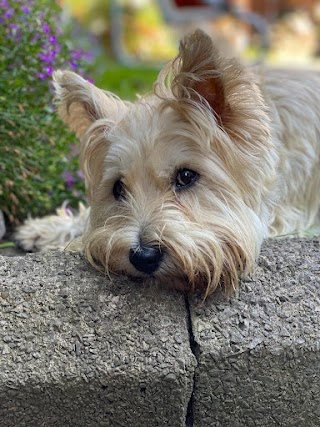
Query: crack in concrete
point(195, 351)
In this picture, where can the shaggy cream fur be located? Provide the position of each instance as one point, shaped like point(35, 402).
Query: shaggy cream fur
point(186, 183)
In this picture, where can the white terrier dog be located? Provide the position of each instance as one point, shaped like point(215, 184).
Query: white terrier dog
point(185, 184)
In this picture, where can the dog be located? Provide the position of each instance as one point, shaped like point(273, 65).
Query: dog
point(186, 183)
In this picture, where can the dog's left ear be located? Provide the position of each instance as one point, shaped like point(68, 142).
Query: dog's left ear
point(205, 76)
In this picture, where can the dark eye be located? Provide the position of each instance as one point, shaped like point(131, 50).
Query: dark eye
point(119, 191)
point(186, 178)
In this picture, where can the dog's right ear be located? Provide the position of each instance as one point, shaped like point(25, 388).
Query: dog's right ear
point(80, 103)
point(82, 106)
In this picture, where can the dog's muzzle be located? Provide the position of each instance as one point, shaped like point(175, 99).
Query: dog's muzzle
point(146, 259)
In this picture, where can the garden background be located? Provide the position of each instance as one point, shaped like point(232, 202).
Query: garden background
point(120, 46)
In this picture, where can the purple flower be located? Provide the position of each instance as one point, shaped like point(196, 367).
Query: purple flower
point(49, 56)
point(52, 39)
point(23, 18)
point(49, 70)
point(76, 54)
point(25, 9)
point(41, 76)
point(46, 27)
point(72, 65)
point(8, 14)
point(14, 27)
point(69, 179)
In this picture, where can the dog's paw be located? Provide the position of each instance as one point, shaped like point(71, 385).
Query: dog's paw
point(53, 232)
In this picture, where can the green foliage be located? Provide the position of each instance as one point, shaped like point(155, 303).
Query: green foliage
point(38, 169)
point(38, 155)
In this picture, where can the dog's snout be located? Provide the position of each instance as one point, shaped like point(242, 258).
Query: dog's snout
point(146, 259)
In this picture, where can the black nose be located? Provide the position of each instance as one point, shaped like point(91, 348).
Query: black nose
point(146, 259)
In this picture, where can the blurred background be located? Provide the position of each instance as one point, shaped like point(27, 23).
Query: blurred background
point(145, 33)
point(120, 45)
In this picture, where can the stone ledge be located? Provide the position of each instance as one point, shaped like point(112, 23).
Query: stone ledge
point(259, 354)
point(77, 350)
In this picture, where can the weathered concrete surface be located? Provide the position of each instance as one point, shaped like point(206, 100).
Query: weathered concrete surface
point(78, 351)
point(259, 354)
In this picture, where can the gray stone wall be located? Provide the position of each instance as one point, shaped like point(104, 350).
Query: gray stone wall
point(79, 350)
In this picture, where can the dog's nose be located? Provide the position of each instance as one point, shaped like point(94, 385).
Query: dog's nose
point(146, 259)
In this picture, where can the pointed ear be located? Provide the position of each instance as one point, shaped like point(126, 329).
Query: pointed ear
point(80, 103)
point(204, 75)
point(89, 112)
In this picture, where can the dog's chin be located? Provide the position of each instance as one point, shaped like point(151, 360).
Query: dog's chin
point(179, 282)
point(167, 281)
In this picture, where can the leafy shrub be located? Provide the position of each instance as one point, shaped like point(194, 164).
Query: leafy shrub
point(38, 162)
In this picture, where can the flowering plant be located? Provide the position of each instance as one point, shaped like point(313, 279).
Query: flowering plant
point(38, 166)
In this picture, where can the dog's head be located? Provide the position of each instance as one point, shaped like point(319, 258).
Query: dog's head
point(178, 181)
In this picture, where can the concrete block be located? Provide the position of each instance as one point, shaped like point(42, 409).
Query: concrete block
point(77, 350)
point(259, 353)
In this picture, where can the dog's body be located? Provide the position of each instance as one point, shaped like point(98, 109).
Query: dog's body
point(184, 185)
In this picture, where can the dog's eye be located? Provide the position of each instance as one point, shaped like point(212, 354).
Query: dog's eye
point(185, 178)
point(119, 191)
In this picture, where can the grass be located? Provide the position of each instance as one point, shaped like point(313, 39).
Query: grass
point(4, 245)
point(127, 82)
